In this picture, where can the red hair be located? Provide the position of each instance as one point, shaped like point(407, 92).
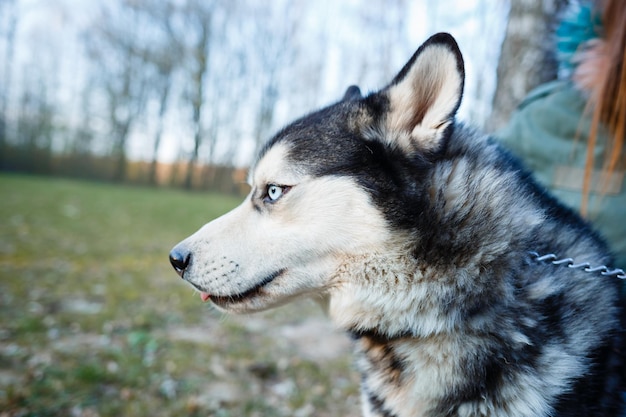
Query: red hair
point(602, 73)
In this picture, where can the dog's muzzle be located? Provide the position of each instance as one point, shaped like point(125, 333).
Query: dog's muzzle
point(180, 258)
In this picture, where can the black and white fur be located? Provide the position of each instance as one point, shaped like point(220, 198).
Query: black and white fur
point(416, 232)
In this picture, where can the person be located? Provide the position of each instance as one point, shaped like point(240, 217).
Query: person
point(570, 132)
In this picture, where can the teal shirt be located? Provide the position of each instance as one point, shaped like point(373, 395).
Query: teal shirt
point(549, 133)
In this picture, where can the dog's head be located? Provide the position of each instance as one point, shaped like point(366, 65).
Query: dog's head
point(329, 187)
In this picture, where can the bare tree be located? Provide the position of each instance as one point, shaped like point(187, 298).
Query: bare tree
point(116, 50)
point(83, 135)
point(35, 126)
point(199, 18)
point(81, 148)
point(165, 54)
point(9, 37)
point(274, 32)
point(163, 85)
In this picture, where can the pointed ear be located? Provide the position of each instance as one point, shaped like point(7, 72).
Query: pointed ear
point(424, 97)
point(352, 93)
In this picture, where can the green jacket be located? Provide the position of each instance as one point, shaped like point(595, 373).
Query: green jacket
point(549, 133)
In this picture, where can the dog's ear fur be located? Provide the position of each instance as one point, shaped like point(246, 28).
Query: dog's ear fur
point(424, 97)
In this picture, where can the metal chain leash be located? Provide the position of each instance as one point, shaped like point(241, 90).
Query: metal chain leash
point(585, 266)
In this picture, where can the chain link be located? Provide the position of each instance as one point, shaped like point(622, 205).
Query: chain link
point(585, 266)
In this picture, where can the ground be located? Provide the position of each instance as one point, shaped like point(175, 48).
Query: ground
point(94, 322)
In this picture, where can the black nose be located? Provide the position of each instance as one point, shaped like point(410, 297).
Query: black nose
point(180, 258)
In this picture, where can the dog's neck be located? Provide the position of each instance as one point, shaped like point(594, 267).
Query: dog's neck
point(384, 294)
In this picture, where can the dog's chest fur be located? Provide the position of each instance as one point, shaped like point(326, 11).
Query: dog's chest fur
point(420, 354)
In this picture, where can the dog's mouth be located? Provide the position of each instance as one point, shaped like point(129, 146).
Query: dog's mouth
point(222, 300)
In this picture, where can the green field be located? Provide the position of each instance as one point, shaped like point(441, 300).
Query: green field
point(94, 321)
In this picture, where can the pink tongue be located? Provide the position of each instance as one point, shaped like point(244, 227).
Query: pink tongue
point(204, 296)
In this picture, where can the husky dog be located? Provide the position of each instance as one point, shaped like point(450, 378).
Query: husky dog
point(421, 238)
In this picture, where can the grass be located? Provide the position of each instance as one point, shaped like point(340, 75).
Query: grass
point(94, 322)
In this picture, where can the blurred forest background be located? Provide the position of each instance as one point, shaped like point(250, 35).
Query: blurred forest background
point(182, 92)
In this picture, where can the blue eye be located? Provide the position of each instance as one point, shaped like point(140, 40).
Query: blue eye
point(274, 192)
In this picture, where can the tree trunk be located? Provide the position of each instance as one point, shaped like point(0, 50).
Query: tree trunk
point(157, 138)
point(191, 165)
point(119, 174)
point(201, 55)
point(527, 56)
point(8, 61)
